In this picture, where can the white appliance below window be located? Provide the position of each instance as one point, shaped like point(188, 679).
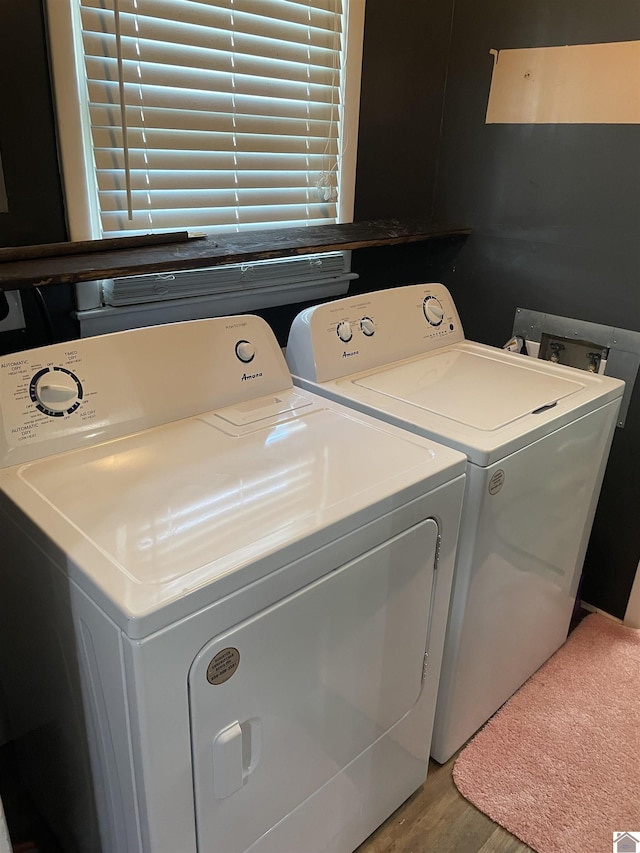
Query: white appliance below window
point(236, 593)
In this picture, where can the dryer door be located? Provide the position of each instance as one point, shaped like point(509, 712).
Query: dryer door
point(283, 702)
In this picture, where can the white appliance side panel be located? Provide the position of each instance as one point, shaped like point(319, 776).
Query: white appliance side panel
point(311, 683)
point(5, 841)
point(524, 531)
point(64, 683)
point(104, 689)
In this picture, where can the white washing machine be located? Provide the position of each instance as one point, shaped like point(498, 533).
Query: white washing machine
point(537, 437)
point(223, 599)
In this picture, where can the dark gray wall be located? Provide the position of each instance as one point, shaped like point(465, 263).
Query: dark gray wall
point(404, 69)
point(26, 130)
point(555, 212)
point(3, 192)
point(29, 161)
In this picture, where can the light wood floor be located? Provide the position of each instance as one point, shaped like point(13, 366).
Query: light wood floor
point(437, 819)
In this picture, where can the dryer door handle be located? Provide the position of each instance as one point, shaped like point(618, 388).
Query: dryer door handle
point(227, 761)
point(236, 751)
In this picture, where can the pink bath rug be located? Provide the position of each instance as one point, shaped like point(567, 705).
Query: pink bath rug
point(559, 764)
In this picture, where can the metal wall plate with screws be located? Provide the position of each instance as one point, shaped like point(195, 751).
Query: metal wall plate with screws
point(576, 340)
point(585, 355)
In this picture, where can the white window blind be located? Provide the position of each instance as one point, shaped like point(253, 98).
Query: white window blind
point(213, 115)
point(206, 115)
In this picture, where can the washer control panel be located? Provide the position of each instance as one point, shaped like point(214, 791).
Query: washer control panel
point(82, 392)
point(358, 333)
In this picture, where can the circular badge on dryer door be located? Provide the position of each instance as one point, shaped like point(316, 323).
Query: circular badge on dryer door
point(223, 665)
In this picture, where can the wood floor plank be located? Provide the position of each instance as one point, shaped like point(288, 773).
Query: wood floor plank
point(501, 841)
point(466, 834)
point(437, 819)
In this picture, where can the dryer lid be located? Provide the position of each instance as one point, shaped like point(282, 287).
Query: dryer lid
point(203, 502)
point(478, 391)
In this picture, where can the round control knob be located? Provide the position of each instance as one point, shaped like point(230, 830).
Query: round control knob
point(245, 351)
point(56, 391)
point(344, 331)
point(368, 326)
point(433, 310)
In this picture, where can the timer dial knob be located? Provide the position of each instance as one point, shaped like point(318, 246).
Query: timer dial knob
point(56, 391)
point(245, 351)
point(368, 326)
point(344, 331)
point(433, 310)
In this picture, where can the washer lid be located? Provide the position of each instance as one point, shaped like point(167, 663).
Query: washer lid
point(475, 390)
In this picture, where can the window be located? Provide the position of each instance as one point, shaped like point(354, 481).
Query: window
point(206, 115)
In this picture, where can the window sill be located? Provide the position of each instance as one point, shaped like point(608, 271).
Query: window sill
point(41, 268)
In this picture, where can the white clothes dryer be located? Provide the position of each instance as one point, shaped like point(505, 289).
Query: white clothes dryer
point(223, 599)
point(537, 437)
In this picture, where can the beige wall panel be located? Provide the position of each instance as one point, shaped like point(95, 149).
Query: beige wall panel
point(575, 84)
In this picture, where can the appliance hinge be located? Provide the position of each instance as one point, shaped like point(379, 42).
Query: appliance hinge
point(424, 666)
point(437, 558)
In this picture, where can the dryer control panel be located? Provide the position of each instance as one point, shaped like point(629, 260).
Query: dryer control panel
point(82, 392)
point(358, 333)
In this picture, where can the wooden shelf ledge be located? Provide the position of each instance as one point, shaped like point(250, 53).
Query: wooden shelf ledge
point(70, 263)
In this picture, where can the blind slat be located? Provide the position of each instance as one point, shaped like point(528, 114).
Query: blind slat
point(165, 220)
point(185, 141)
point(160, 97)
point(182, 80)
point(195, 181)
point(210, 199)
point(209, 51)
point(108, 159)
point(189, 120)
